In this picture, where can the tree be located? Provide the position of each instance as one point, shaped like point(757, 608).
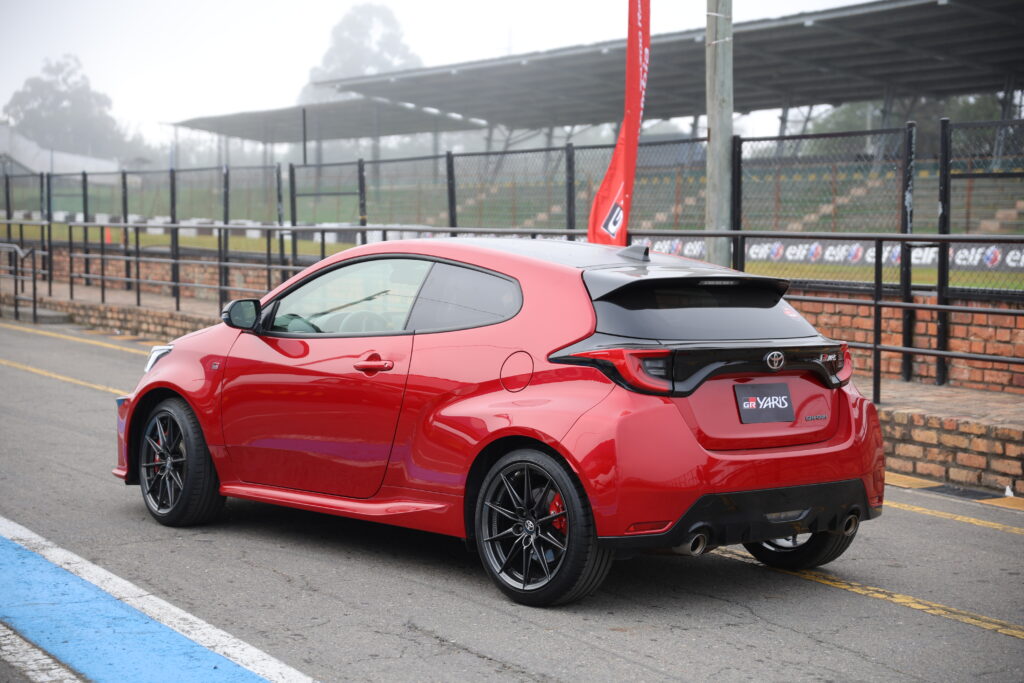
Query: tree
point(367, 41)
point(926, 111)
point(61, 111)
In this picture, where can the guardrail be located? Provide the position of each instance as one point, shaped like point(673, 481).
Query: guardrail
point(276, 262)
point(15, 270)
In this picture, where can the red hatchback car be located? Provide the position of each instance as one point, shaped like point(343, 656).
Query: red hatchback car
point(553, 403)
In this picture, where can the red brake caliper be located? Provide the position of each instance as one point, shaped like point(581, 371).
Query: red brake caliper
point(555, 507)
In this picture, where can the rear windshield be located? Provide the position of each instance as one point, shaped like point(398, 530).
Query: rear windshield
point(695, 311)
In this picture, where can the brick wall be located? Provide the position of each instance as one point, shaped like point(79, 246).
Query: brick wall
point(999, 335)
point(146, 322)
point(240, 275)
point(953, 449)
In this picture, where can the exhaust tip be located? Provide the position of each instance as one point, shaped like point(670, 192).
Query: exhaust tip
point(696, 544)
point(850, 525)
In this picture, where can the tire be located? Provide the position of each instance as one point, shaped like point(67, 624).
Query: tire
point(535, 532)
point(178, 481)
point(803, 552)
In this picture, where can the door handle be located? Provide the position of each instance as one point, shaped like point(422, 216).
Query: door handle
point(372, 363)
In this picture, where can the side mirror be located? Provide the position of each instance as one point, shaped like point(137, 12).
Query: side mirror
point(242, 314)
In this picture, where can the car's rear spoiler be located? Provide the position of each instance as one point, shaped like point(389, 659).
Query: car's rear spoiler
point(602, 281)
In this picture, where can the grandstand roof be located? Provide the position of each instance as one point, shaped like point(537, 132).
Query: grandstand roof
point(353, 117)
point(853, 53)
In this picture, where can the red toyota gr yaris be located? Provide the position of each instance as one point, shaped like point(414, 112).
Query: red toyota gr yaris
point(554, 403)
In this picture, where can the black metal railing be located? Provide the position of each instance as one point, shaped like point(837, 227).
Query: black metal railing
point(891, 285)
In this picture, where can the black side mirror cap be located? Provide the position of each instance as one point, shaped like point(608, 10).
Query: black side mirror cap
point(242, 314)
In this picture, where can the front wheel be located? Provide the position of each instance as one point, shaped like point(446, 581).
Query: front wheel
point(804, 551)
point(535, 532)
point(178, 481)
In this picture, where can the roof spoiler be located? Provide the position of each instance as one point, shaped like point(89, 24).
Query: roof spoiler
point(602, 281)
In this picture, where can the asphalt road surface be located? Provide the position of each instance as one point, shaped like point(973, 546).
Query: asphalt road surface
point(919, 595)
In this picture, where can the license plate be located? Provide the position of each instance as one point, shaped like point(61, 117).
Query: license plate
point(764, 402)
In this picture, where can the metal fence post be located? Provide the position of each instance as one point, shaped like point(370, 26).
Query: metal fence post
point(291, 194)
point(876, 352)
point(736, 211)
point(85, 219)
point(8, 211)
point(907, 227)
point(222, 250)
point(449, 163)
point(49, 233)
point(124, 231)
point(361, 179)
point(570, 187)
point(175, 255)
point(942, 283)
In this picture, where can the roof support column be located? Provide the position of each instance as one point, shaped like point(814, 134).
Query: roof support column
point(303, 136)
point(783, 126)
point(718, 84)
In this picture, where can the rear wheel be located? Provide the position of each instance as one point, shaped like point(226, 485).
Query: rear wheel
point(178, 481)
point(804, 551)
point(535, 533)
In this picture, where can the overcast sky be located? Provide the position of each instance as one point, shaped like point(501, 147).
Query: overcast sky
point(172, 60)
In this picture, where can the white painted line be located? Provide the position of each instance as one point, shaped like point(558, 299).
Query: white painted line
point(190, 626)
point(33, 663)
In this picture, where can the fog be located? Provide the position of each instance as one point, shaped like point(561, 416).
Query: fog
point(165, 62)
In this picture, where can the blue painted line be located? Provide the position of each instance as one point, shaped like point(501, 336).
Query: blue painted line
point(96, 634)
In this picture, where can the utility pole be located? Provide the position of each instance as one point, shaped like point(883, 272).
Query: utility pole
point(718, 85)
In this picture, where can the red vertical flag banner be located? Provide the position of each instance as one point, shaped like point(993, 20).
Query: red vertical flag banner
point(609, 213)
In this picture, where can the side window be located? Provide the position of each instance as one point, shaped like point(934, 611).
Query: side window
point(363, 298)
point(454, 297)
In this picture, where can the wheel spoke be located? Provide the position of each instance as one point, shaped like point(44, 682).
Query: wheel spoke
point(152, 464)
point(516, 500)
point(504, 534)
point(542, 498)
point(544, 564)
point(177, 479)
point(502, 511)
point(552, 540)
point(154, 445)
point(160, 433)
point(511, 553)
point(526, 487)
point(552, 516)
point(153, 483)
point(527, 559)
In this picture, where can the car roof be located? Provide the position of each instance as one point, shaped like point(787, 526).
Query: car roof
point(584, 255)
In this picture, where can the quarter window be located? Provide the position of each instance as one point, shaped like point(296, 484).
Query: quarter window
point(454, 297)
point(369, 297)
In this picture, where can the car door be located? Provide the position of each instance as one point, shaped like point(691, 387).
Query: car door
point(312, 402)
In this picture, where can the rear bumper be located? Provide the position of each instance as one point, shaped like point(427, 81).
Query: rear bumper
point(751, 516)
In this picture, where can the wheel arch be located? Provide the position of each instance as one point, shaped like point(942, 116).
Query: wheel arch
point(489, 455)
point(143, 407)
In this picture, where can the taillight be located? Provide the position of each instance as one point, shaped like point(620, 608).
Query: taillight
point(845, 370)
point(648, 370)
point(838, 364)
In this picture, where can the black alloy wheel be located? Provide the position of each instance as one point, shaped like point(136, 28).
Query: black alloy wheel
point(177, 477)
point(535, 533)
point(803, 551)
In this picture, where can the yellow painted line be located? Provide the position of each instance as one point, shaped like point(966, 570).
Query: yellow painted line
point(68, 337)
point(904, 481)
point(150, 342)
point(956, 518)
point(1007, 502)
point(62, 378)
point(910, 602)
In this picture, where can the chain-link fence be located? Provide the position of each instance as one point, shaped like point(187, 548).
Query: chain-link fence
point(105, 196)
point(981, 191)
point(149, 195)
point(863, 182)
point(835, 182)
point(26, 193)
point(511, 189)
point(407, 191)
point(326, 193)
point(253, 194)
